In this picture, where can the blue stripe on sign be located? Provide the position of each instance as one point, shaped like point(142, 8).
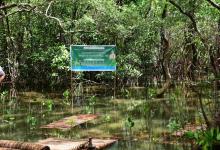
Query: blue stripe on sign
point(93, 68)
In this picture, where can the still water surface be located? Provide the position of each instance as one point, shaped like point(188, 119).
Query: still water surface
point(22, 120)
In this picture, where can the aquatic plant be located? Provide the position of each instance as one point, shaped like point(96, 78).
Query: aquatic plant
point(9, 118)
point(205, 139)
point(138, 108)
point(92, 100)
point(31, 121)
point(107, 118)
point(129, 124)
point(173, 125)
point(134, 106)
point(90, 108)
point(126, 93)
point(151, 92)
point(66, 95)
point(3, 96)
point(49, 104)
point(10, 121)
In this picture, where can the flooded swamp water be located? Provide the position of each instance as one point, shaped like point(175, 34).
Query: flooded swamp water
point(134, 117)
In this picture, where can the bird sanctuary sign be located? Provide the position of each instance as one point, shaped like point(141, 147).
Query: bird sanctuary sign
point(93, 57)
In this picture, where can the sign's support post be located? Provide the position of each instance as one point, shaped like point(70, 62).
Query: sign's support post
point(115, 85)
point(72, 91)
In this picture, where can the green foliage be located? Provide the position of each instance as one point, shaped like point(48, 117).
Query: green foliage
point(105, 76)
point(126, 93)
point(177, 93)
point(31, 121)
point(107, 118)
point(92, 101)
point(129, 123)
point(56, 56)
point(10, 121)
point(61, 58)
point(66, 95)
point(48, 103)
point(3, 96)
point(129, 68)
point(151, 92)
point(189, 135)
point(137, 107)
point(88, 110)
point(206, 139)
point(40, 42)
point(90, 107)
point(9, 117)
point(173, 125)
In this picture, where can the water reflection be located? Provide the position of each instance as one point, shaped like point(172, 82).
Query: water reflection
point(136, 119)
point(146, 145)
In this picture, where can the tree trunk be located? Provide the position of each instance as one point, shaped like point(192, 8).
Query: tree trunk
point(165, 57)
point(12, 59)
point(191, 52)
point(191, 16)
point(216, 67)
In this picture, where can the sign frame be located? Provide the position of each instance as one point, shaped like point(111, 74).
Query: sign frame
point(92, 58)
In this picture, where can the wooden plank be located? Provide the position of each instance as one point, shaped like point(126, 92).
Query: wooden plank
point(62, 144)
point(21, 145)
point(2, 148)
point(70, 122)
point(101, 144)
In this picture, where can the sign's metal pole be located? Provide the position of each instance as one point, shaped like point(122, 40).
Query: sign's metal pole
point(71, 78)
point(115, 85)
point(72, 91)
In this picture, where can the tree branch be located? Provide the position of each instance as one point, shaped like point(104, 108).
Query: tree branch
point(24, 7)
point(185, 13)
point(3, 7)
point(191, 17)
point(214, 4)
point(20, 8)
point(48, 7)
point(21, 5)
point(59, 21)
point(52, 17)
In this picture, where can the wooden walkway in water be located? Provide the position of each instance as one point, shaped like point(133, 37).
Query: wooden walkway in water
point(57, 144)
point(102, 144)
point(16, 145)
point(61, 144)
point(70, 122)
point(64, 144)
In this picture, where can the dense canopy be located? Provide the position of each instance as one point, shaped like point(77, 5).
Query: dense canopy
point(160, 39)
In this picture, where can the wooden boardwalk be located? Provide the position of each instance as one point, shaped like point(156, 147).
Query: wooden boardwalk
point(64, 144)
point(70, 122)
point(102, 144)
point(57, 144)
point(61, 144)
point(17, 145)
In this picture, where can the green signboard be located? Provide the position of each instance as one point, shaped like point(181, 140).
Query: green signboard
point(93, 57)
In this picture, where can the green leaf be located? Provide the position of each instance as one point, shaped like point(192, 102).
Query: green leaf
point(218, 136)
point(189, 135)
point(196, 135)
